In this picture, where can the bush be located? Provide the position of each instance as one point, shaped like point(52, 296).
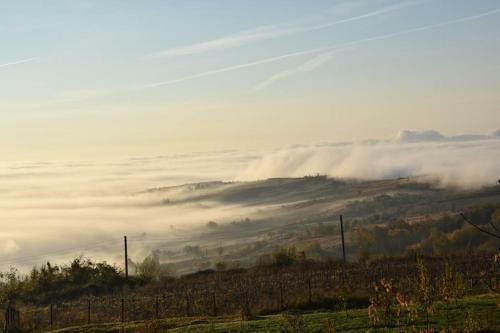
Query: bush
point(285, 257)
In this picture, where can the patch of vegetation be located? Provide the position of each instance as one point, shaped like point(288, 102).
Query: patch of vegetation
point(472, 314)
point(444, 235)
point(51, 283)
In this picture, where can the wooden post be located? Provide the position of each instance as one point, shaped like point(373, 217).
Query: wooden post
point(214, 304)
point(282, 307)
point(122, 310)
point(133, 312)
point(309, 288)
point(126, 256)
point(188, 304)
point(88, 311)
point(51, 316)
point(157, 308)
point(343, 242)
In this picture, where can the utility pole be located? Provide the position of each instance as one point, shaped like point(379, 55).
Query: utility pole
point(126, 257)
point(343, 242)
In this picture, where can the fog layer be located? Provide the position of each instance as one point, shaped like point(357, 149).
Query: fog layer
point(56, 210)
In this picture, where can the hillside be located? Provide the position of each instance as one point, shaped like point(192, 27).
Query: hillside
point(301, 212)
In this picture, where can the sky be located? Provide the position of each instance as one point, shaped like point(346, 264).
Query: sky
point(116, 78)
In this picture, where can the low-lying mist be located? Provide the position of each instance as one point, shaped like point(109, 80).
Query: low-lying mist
point(57, 210)
point(467, 161)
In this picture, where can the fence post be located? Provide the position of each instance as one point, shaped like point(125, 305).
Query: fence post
point(309, 288)
point(134, 312)
point(342, 234)
point(157, 308)
point(281, 295)
point(88, 312)
point(188, 304)
point(122, 310)
point(126, 256)
point(51, 313)
point(214, 300)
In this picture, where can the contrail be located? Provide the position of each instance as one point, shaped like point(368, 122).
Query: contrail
point(17, 62)
point(266, 33)
point(310, 65)
point(426, 27)
point(232, 68)
point(326, 48)
point(382, 11)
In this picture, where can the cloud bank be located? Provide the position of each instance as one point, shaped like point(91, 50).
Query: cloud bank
point(464, 161)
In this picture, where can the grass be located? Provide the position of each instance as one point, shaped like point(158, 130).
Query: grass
point(472, 314)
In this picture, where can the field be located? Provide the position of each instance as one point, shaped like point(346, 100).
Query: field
point(469, 314)
point(446, 292)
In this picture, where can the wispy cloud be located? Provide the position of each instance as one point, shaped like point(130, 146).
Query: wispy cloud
point(378, 12)
point(232, 68)
point(308, 66)
point(429, 27)
point(326, 48)
point(234, 40)
point(268, 32)
point(323, 58)
point(17, 62)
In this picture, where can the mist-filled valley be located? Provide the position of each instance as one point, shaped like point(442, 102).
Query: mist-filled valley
point(194, 210)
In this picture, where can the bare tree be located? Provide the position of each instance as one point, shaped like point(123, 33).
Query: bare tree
point(495, 233)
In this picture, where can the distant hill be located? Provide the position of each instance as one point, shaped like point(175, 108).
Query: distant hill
point(303, 212)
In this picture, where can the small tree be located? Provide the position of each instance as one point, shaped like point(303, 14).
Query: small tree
point(285, 257)
point(150, 269)
point(212, 225)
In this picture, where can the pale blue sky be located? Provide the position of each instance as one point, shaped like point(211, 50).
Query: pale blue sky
point(87, 78)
